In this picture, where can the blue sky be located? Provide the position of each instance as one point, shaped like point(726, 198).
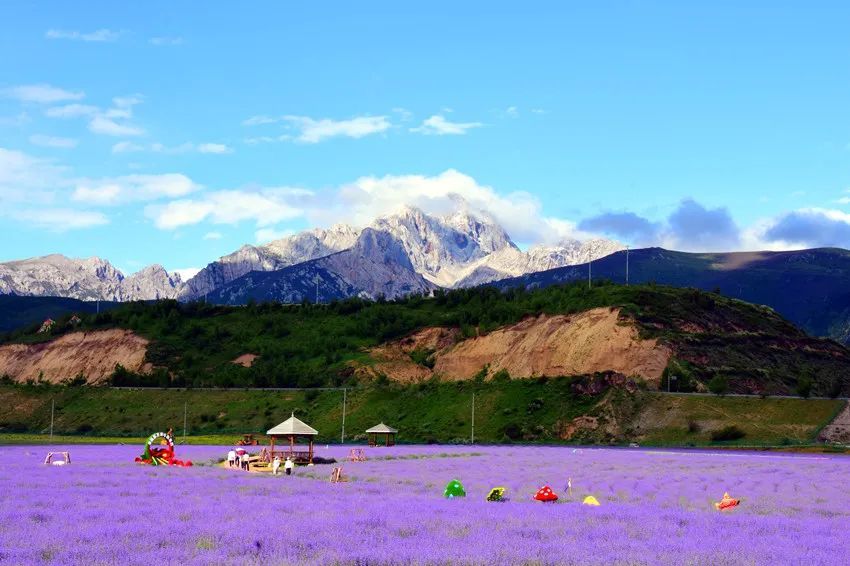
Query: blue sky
point(163, 132)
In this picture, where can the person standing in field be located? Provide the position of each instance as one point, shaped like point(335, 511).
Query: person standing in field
point(287, 466)
point(245, 462)
point(275, 465)
point(231, 458)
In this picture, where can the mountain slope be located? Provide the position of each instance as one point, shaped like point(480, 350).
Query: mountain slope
point(511, 262)
point(809, 287)
point(85, 279)
point(377, 265)
point(19, 312)
point(626, 333)
point(275, 255)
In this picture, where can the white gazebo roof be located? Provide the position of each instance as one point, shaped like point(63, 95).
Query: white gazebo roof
point(292, 426)
point(382, 428)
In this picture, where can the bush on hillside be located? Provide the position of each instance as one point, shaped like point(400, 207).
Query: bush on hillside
point(719, 385)
point(726, 433)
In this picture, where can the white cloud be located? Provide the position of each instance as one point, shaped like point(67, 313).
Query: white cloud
point(266, 235)
point(265, 207)
point(52, 141)
point(214, 148)
point(16, 121)
point(404, 114)
point(100, 124)
point(260, 120)
point(129, 188)
point(98, 35)
point(314, 131)
point(212, 236)
point(132, 147)
point(360, 202)
point(113, 121)
point(60, 219)
point(187, 273)
point(260, 139)
point(127, 147)
point(41, 94)
point(71, 111)
point(27, 179)
point(512, 111)
point(437, 125)
point(161, 41)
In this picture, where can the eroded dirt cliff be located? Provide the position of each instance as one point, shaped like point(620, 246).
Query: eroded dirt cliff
point(597, 340)
point(92, 354)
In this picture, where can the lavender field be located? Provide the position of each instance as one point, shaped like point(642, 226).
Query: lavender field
point(656, 508)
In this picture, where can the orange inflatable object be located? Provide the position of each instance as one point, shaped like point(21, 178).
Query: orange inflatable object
point(545, 493)
point(726, 503)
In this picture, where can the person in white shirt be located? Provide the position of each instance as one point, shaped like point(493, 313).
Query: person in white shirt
point(245, 462)
point(275, 465)
point(287, 466)
point(231, 458)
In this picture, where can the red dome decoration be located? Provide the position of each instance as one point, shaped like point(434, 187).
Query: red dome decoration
point(545, 493)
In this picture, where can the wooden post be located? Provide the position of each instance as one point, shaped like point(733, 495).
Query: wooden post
point(272, 454)
point(311, 449)
point(292, 447)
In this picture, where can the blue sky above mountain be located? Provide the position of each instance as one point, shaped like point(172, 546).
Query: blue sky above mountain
point(165, 133)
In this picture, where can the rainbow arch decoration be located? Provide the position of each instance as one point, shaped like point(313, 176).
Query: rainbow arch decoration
point(159, 451)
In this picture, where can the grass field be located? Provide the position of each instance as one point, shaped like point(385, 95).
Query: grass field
point(679, 420)
point(513, 411)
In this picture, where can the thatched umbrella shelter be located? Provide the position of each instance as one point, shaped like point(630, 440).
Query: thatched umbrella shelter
point(382, 431)
point(292, 429)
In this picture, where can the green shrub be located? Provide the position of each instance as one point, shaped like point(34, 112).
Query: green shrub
point(804, 386)
point(423, 357)
point(730, 432)
point(719, 385)
point(502, 376)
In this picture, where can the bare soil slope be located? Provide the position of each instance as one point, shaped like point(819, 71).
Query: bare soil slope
point(92, 354)
point(597, 340)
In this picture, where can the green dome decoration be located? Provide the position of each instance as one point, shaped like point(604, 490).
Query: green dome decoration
point(454, 489)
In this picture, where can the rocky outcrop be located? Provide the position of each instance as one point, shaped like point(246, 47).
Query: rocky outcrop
point(376, 266)
point(85, 279)
point(275, 255)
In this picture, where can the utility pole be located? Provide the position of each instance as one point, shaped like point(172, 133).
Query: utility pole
point(185, 420)
point(589, 264)
point(52, 407)
point(472, 440)
point(342, 436)
point(627, 266)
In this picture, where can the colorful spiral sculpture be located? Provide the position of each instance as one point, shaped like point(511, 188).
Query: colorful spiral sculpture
point(159, 451)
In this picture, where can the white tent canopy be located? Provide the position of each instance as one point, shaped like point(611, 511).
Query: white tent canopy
point(292, 426)
point(381, 429)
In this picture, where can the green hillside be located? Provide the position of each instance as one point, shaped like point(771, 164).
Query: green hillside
point(514, 411)
point(193, 344)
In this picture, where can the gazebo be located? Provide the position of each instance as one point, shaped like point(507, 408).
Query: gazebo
point(292, 429)
point(379, 430)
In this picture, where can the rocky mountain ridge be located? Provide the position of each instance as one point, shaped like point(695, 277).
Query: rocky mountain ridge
point(85, 279)
point(461, 249)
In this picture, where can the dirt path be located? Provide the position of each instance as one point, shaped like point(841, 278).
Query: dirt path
point(839, 429)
